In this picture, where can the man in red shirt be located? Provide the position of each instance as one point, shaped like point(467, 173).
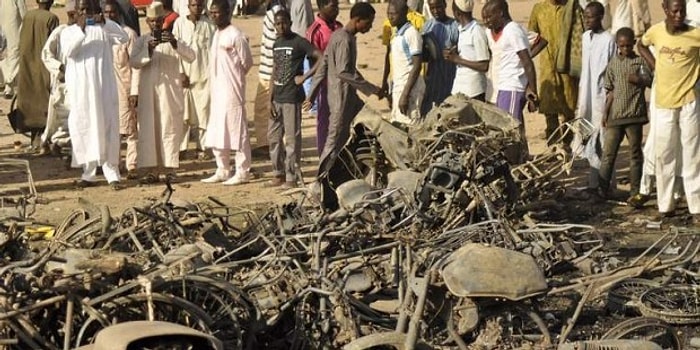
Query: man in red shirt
point(319, 34)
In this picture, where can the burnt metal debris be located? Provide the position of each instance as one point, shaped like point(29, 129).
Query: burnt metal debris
point(427, 249)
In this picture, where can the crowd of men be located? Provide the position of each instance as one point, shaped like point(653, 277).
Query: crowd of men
point(184, 82)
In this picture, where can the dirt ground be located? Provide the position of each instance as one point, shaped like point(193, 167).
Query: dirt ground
point(54, 182)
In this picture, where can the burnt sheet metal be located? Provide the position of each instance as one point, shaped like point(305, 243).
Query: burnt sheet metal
point(476, 270)
point(122, 335)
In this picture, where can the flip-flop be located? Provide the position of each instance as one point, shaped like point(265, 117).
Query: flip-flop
point(148, 179)
point(116, 186)
point(84, 183)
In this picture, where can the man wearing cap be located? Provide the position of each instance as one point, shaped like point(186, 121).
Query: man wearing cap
point(161, 97)
point(54, 60)
point(127, 86)
point(93, 121)
point(471, 54)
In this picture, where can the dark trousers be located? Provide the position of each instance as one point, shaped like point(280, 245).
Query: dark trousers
point(613, 138)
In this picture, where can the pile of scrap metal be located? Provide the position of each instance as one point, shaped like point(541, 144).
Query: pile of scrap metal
point(421, 253)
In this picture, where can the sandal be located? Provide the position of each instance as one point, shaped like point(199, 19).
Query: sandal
point(116, 186)
point(80, 184)
point(148, 179)
point(132, 175)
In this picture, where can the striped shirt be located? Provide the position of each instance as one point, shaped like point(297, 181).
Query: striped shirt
point(628, 105)
point(269, 35)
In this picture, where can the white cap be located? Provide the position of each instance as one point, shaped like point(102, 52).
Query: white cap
point(155, 10)
point(465, 5)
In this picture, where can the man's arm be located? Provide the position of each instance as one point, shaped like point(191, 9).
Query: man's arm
point(646, 54)
point(140, 56)
point(540, 44)
point(417, 61)
point(529, 67)
point(49, 54)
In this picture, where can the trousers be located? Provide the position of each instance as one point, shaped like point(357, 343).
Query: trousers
point(284, 136)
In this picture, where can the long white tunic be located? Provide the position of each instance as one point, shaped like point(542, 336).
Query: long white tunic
point(198, 36)
point(230, 61)
point(93, 121)
point(11, 15)
point(53, 58)
point(127, 79)
point(161, 102)
point(598, 49)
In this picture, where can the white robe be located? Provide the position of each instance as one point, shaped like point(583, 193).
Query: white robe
point(198, 36)
point(597, 51)
point(53, 58)
point(230, 62)
point(161, 102)
point(11, 15)
point(93, 121)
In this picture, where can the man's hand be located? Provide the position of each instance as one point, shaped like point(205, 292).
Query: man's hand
point(152, 44)
point(635, 78)
point(306, 105)
point(99, 18)
point(81, 20)
point(184, 81)
point(384, 91)
point(133, 101)
point(533, 100)
point(167, 37)
point(380, 93)
point(299, 80)
point(273, 110)
point(403, 103)
point(449, 54)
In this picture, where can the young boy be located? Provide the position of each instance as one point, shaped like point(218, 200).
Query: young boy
point(626, 77)
point(287, 94)
point(408, 86)
point(319, 34)
point(598, 48)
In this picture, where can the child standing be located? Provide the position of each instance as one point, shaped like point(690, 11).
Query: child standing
point(626, 77)
point(287, 94)
point(319, 34)
point(598, 49)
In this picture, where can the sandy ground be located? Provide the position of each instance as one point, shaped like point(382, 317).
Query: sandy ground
point(54, 182)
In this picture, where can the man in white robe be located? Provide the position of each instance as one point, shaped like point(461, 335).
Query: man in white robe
point(127, 87)
point(11, 15)
point(93, 121)
point(228, 128)
point(54, 60)
point(161, 98)
point(197, 31)
point(598, 48)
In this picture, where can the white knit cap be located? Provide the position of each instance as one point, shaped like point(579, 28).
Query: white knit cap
point(155, 10)
point(465, 5)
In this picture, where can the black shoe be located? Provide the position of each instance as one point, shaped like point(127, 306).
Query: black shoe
point(261, 152)
point(116, 186)
point(638, 200)
point(80, 184)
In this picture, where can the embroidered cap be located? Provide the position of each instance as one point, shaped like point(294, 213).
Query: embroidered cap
point(465, 5)
point(155, 10)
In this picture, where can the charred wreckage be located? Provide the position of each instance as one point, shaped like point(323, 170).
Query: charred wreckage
point(416, 242)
